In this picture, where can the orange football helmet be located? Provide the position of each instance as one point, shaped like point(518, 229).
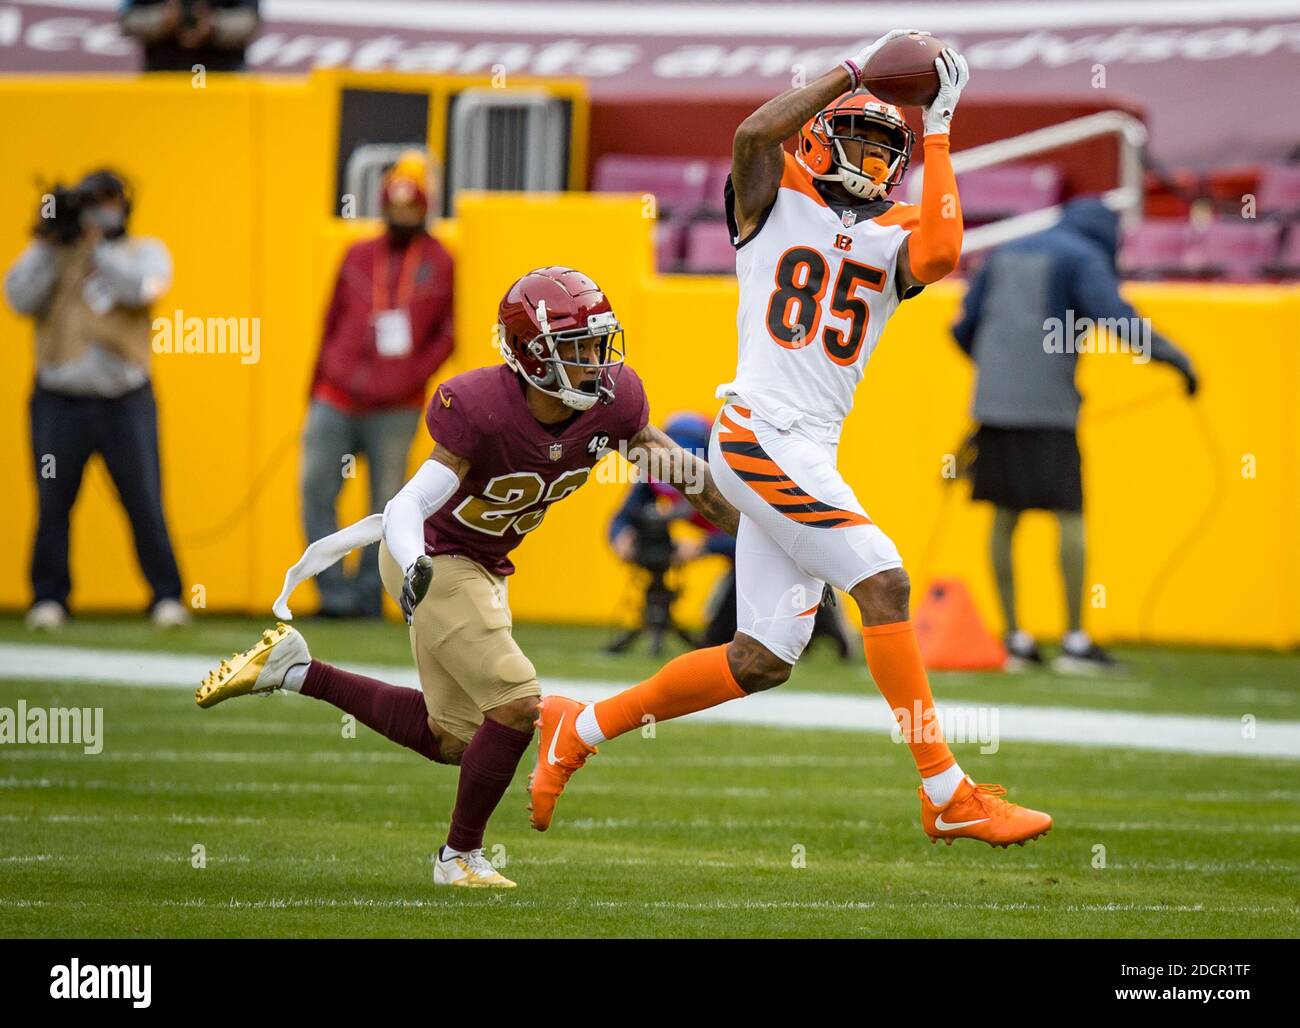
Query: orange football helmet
point(821, 151)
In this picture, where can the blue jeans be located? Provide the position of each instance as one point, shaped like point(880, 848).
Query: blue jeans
point(66, 431)
point(384, 438)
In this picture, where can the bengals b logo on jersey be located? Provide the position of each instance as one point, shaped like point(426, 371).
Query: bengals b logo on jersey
point(843, 242)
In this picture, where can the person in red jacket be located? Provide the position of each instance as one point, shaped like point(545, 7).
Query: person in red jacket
point(387, 331)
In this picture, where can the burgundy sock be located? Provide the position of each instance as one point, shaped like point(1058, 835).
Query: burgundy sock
point(392, 711)
point(486, 768)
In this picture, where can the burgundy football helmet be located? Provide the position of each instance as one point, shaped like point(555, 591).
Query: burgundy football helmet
point(547, 308)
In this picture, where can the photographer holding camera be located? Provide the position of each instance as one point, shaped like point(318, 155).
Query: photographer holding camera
point(88, 287)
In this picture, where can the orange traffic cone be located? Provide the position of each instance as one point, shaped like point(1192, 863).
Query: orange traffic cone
point(951, 635)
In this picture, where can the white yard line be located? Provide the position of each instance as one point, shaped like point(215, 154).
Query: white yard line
point(1173, 733)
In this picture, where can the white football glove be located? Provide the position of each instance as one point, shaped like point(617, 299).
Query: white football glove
point(858, 62)
point(953, 77)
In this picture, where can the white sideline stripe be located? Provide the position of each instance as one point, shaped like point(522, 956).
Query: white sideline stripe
point(96, 819)
point(1171, 733)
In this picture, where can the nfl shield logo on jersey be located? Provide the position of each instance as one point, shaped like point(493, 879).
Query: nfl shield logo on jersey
point(848, 218)
point(557, 451)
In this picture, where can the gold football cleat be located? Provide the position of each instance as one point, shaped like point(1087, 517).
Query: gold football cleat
point(257, 670)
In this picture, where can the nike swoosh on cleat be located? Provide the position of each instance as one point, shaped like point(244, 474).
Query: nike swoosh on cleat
point(550, 753)
point(944, 826)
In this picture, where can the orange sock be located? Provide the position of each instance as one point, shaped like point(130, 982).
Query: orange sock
point(894, 659)
point(694, 681)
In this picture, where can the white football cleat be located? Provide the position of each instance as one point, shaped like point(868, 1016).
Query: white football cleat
point(45, 616)
point(470, 870)
point(258, 670)
point(169, 614)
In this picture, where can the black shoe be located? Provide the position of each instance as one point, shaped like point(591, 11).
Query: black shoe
point(1090, 661)
point(1022, 652)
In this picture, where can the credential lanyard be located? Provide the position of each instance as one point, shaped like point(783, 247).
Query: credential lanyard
point(405, 281)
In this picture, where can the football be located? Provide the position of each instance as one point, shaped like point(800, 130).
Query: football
point(902, 71)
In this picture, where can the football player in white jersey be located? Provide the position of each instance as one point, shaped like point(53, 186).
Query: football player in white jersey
point(823, 259)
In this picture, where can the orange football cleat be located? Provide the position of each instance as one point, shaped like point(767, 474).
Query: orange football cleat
point(979, 812)
point(560, 752)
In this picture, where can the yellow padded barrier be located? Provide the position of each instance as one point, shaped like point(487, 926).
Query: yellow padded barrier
point(1190, 505)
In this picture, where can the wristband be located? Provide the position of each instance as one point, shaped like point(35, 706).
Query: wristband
point(855, 73)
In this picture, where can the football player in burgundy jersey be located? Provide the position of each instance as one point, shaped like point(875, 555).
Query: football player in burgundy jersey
point(509, 440)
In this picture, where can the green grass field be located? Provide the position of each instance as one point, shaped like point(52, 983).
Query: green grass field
point(696, 832)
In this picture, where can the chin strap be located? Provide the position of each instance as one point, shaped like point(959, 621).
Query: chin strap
point(866, 185)
point(566, 395)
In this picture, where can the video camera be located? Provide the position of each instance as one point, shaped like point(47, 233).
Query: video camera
point(654, 545)
point(58, 220)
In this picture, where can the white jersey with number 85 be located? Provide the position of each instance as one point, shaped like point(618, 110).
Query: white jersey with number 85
point(816, 289)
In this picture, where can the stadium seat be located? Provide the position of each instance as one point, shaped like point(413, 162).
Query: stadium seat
point(670, 239)
point(708, 249)
point(1235, 249)
point(992, 193)
point(677, 183)
point(1279, 190)
point(1288, 260)
point(1155, 249)
point(719, 169)
point(1230, 248)
point(1226, 187)
point(1170, 194)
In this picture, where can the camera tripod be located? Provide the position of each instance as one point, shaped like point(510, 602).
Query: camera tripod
point(656, 619)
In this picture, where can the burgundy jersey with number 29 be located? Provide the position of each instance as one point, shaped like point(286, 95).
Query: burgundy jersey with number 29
point(517, 465)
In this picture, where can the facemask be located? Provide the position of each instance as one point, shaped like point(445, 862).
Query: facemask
point(867, 182)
